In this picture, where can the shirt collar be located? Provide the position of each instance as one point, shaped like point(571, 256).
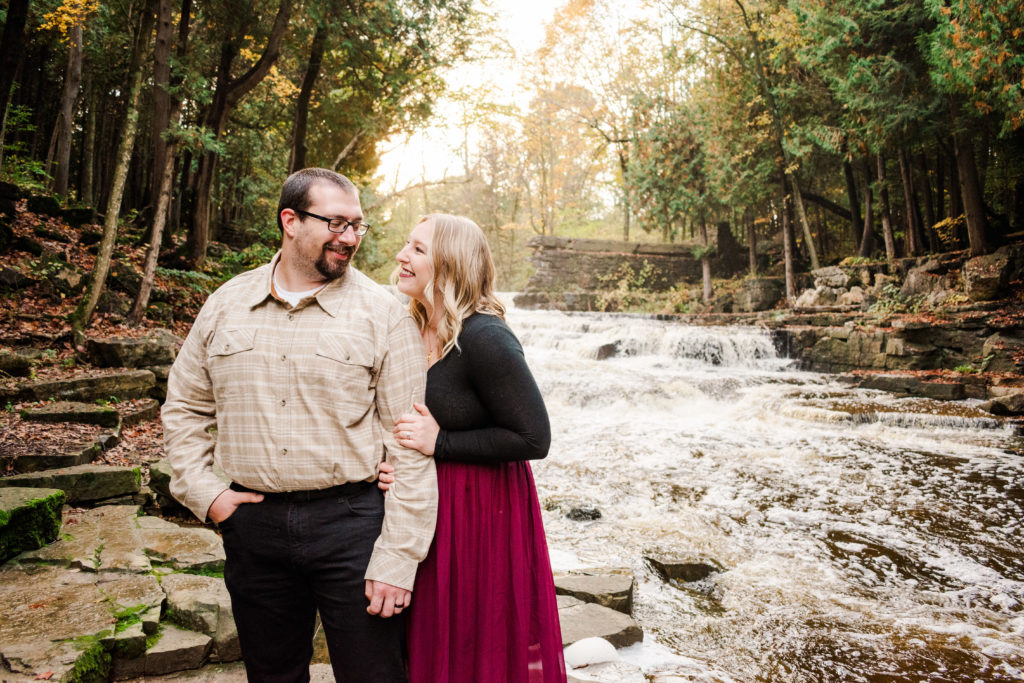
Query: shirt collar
point(329, 298)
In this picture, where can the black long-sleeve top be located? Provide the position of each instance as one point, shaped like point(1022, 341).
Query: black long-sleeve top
point(485, 399)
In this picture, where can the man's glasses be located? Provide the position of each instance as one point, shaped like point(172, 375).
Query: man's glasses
point(338, 225)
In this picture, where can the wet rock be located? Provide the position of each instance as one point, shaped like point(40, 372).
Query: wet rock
point(103, 539)
point(29, 519)
point(85, 388)
point(72, 411)
point(82, 483)
point(15, 364)
point(986, 277)
point(192, 548)
point(608, 587)
point(159, 347)
point(202, 603)
point(590, 620)
point(606, 351)
point(583, 513)
point(1009, 404)
point(943, 391)
point(688, 569)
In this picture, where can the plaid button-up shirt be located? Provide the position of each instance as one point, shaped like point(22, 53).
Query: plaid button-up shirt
point(303, 398)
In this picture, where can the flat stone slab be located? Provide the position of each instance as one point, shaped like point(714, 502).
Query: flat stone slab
point(103, 539)
point(192, 548)
point(81, 453)
point(121, 385)
point(607, 588)
point(590, 620)
point(83, 482)
point(175, 650)
point(159, 347)
point(46, 612)
point(148, 409)
point(29, 519)
point(72, 411)
point(202, 603)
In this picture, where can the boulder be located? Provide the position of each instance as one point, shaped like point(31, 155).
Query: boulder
point(1005, 353)
point(924, 281)
point(44, 204)
point(813, 298)
point(15, 364)
point(590, 620)
point(986, 277)
point(78, 216)
point(202, 603)
point(29, 519)
point(82, 483)
point(12, 279)
point(121, 385)
point(583, 513)
point(67, 279)
point(687, 569)
point(854, 297)
point(608, 588)
point(72, 411)
point(831, 276)
point(159, 347)
point(759, 294)
point(1010, 404)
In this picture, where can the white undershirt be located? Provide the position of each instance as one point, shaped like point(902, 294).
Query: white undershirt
point(293, 298)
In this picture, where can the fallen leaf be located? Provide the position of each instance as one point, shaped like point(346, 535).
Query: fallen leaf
point(45, 676)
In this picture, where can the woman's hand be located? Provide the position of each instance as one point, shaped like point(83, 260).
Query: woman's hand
point(385, 476)
point(417, 430)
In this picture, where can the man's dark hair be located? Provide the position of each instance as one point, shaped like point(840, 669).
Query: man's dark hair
point(295, 193)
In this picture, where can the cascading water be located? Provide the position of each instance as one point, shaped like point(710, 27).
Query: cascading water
point(864, 537)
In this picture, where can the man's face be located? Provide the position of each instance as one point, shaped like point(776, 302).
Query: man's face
point(318, 253)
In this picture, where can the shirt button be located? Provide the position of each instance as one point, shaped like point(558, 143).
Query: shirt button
point(284, 451)
point(284, 357)
point(291, 316)
point(282, 401)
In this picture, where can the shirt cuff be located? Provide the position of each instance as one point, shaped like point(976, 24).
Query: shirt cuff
point(392, 569)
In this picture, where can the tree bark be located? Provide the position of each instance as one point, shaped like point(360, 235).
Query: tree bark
point(867, 238)
point(915, 245)
point(883, 194)
point(856, 225)
point(970, 190)
point(752, 245)
point(705, 262)
point(924, 187)
point(297, 158)
point(802, 215)
point(11, 48)
point(787, 243)
point(227, 94)
point(97, 279)
point(627, 207)
point(89, 154)
point(161, 116)
point(66, 120)
point(153, 253)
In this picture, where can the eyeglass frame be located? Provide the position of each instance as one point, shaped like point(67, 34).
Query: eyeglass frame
point(358, 227)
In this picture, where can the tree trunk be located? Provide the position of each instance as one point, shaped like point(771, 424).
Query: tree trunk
point(627, 207)
point(348, 150)
point(787, 243)
point(161, 116)
point(98, 277)
point(752, 245)
point(883, 194)
point(856, 225)
point(705, 262)
point(867, 238)
point(226, 96)
point(297, 158)
point(798, 202)
point(66, 120)
point(925, 191)
point(915, 245)
point(11, 49)
point(940, 185)
point(89, 154)
point(153, 253)
point(970, 190)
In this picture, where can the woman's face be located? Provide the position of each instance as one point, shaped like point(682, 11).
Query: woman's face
point(416, 266)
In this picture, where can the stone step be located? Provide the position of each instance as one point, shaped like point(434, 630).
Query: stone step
point(606, 587)
point(29, 519)
point(83, 483)
point(187, 548)
point(148, 409)
point(72, 411)
point(202, 604)
point(590, 620)
point(121, 385)
point(175, 649)
point(106, 538)
point(159, 347)
point(76, 454)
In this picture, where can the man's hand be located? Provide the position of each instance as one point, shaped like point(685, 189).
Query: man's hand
point(385, 599)
point(224, 505)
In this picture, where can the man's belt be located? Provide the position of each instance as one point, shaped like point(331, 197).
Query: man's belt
point(340, 491)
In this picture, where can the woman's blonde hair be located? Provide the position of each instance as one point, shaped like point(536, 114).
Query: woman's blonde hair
point(463, 278)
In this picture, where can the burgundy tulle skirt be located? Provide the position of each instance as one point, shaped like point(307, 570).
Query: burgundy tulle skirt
point(483, 608)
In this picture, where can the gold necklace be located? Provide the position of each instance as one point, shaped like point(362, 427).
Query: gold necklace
point(431, 344)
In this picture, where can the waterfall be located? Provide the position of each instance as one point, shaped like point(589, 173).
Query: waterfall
point(861, 532)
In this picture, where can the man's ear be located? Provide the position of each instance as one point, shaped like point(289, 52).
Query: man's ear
point(289, 222)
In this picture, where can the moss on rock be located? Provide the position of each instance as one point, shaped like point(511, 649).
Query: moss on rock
point(29, 519)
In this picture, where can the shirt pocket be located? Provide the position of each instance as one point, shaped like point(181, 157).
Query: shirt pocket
point(230, 360)
point(345, 376)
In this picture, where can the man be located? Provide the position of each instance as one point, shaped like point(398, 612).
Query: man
point(291, 380)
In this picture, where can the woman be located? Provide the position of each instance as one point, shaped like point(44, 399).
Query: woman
point(484, 608)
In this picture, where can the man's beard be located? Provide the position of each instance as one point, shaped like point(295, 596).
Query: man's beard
point(332, 268)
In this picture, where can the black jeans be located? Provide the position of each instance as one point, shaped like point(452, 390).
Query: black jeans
point(288, 558)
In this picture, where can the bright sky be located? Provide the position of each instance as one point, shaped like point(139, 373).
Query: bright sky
point(433, 153)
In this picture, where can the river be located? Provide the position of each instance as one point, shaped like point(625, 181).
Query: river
point(863, 537)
